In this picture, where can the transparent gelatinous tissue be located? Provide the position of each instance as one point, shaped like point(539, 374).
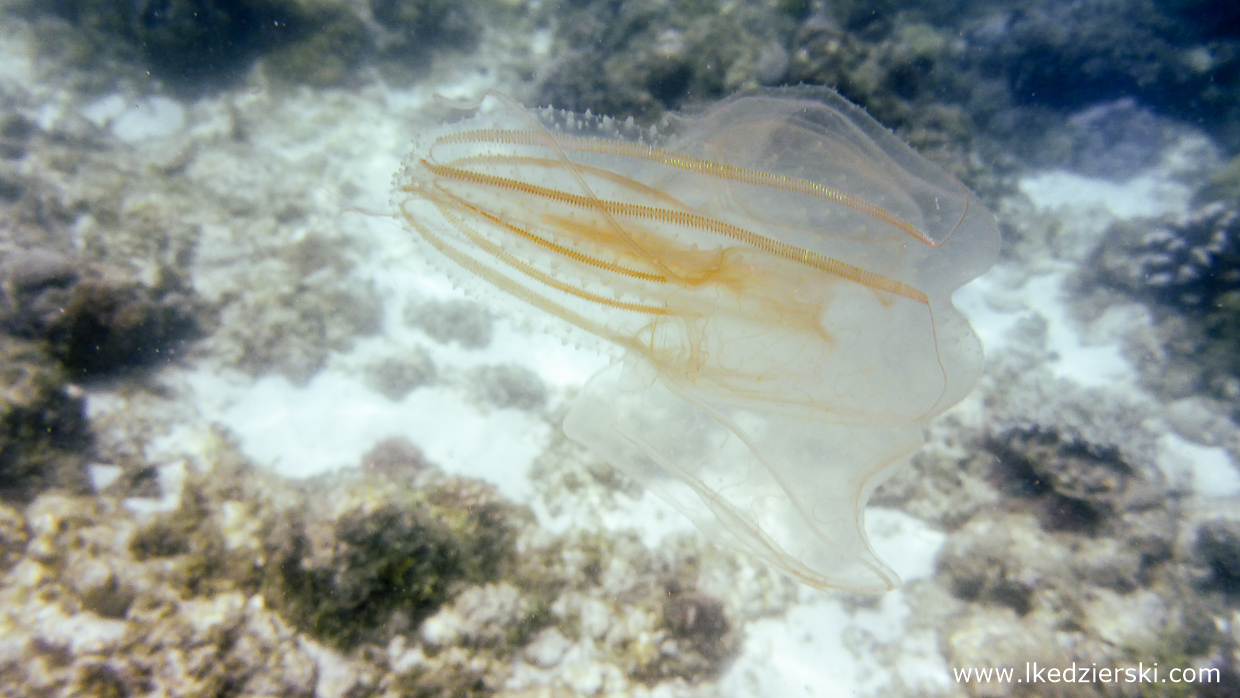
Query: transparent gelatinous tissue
point(776, 273)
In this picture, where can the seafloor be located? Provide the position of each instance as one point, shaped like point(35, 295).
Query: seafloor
point(251, 445)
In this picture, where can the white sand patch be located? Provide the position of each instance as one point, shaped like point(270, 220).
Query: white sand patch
point(334, 419)
point(1208, 470)
point(1150, 193)
point(819, 648)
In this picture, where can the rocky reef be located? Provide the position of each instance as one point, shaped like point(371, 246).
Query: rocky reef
point(391, 581)
point(1186, 270)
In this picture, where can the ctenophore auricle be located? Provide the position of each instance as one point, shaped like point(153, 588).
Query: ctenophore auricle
point(775, 274)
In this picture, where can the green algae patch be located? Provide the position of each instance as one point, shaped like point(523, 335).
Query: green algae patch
point(401, 578)
point(198, 45)
point(43, 428)
point(346, 558)
point(333, 43)
point(379, 558)
point(432, 582)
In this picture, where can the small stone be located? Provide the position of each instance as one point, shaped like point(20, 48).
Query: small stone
point(396, 376)
point(441, 629)
point(100, 589)
point(463, 322)
point(395, 457)
point(548, 648)
point(510, 386)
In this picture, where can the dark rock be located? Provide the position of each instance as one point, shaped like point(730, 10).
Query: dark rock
point(106, 326)
point(1072, 488)
point(12, 186)
point(15, 132)
point(1218, 547)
